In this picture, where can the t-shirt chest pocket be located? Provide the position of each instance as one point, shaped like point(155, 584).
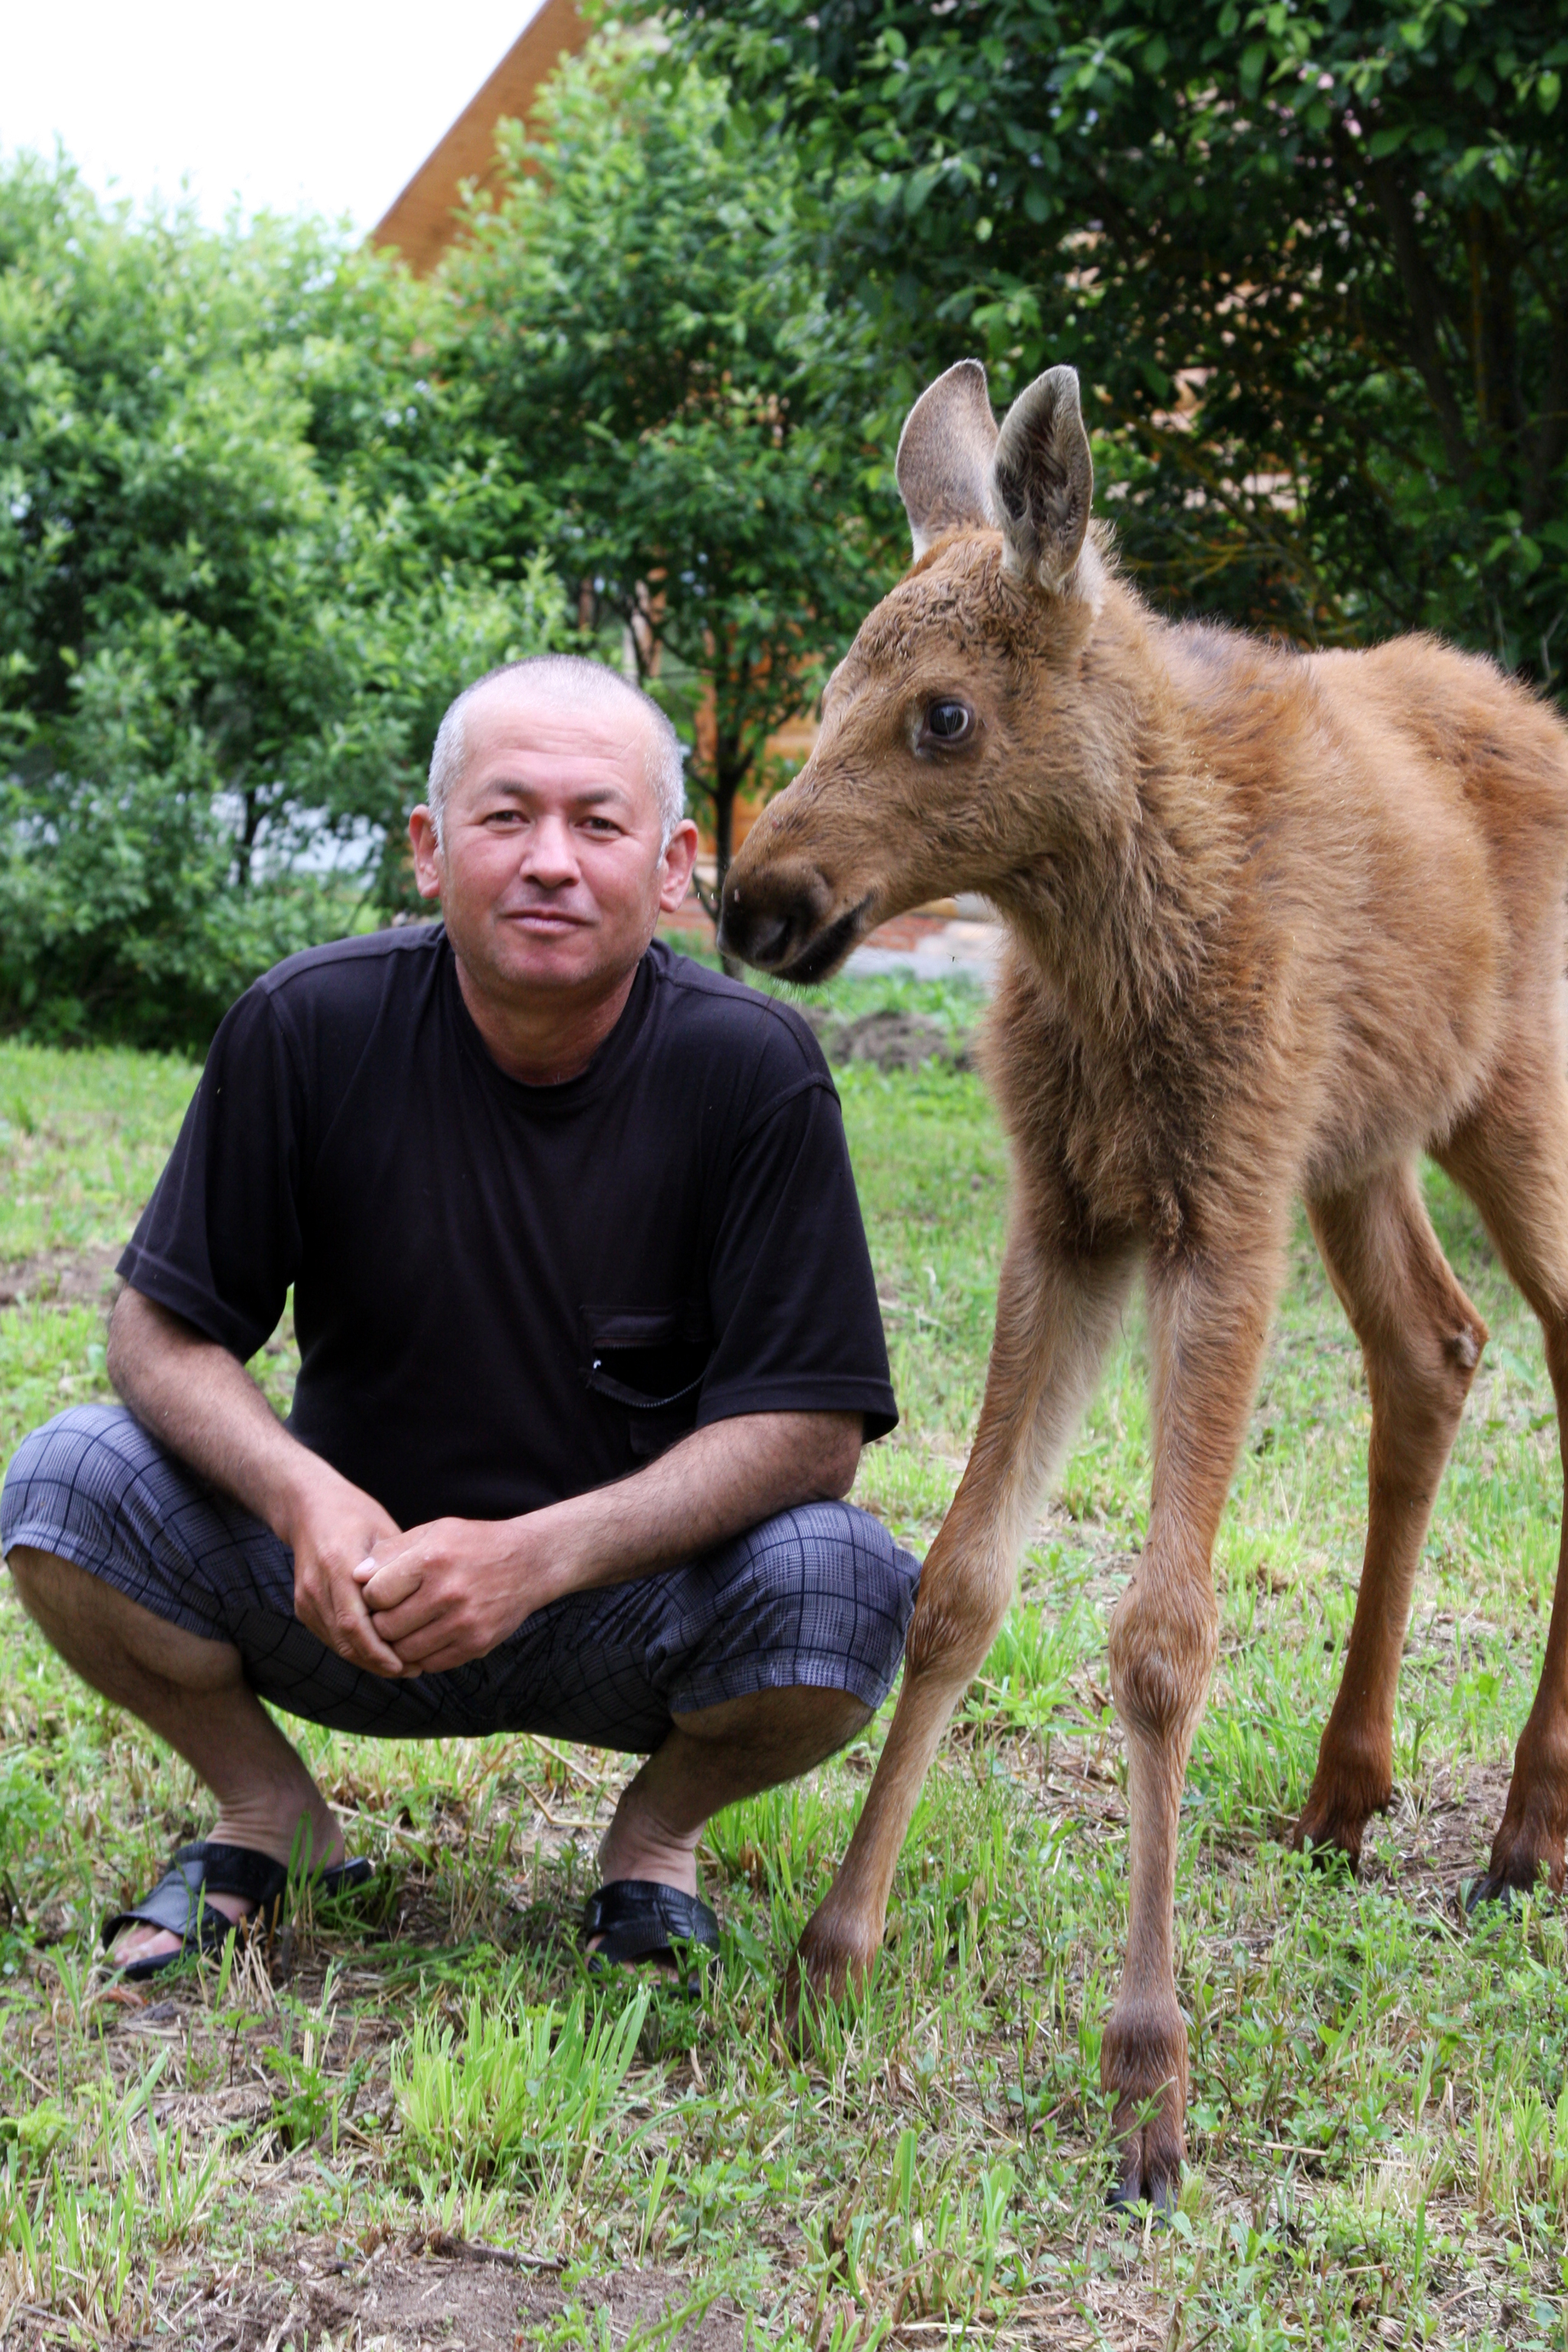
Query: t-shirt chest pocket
point(651, 1361)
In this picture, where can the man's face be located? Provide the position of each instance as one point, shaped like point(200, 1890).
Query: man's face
point(549, 872)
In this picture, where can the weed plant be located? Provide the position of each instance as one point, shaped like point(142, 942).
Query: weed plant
point(1379, 2124)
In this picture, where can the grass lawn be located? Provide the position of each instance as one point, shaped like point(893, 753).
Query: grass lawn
point(414, 2123)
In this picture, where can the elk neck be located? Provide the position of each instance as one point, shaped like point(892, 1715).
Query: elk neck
point(1123, 914)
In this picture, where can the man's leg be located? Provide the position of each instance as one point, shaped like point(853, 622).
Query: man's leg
point(193, 1692)
point(178, 1604)
point(712, 1759)
point(770, 1654)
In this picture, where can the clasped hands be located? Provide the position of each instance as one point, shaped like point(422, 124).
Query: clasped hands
point(423, 1600)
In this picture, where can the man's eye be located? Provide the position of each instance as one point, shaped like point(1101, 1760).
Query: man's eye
point(947, 720)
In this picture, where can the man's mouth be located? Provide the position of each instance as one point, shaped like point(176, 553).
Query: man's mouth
point(546, 918)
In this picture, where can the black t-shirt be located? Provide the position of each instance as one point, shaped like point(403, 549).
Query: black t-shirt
point(504, 1294)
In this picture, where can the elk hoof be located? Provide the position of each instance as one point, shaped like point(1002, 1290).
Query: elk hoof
point(1143, 2064)
point(1149, 2162)
point(825, 1963)
point(1519, 1868)
point(1333, 1822)
point(1328, 1846)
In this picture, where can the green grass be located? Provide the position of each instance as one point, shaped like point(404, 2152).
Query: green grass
point(1379, 2127)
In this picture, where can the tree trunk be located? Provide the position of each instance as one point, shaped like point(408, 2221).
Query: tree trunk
point(247, 844)
point(727, 777)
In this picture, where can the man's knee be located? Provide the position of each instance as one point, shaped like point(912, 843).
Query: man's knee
point(94, 1625)
point(30, 1574)
point(62, 1600)
point(791, 1714)
point(780, 1733)
point(54, 1592)
point(826, 1583)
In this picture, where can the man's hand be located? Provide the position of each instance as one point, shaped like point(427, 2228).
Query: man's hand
point(449, 1592)
point(200, 1403)
point(332, 1529)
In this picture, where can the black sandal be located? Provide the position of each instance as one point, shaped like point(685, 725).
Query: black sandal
point(176, 1903)
point(638, 1919)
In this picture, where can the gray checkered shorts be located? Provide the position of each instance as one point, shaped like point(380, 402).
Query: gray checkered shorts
point(819, 1596)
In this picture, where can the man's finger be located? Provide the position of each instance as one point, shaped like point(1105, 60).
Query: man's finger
point(435, 1638)
point(376, 1657)
point(419, 1618)
point(389, 1585)
point(352, 1634)
point(368, 1648)
point(442, 1661)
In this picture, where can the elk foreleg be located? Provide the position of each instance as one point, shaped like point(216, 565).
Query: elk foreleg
point(1208, 1326)
point(1056, 1311)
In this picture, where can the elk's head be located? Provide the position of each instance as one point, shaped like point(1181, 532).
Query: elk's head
point(926, 776)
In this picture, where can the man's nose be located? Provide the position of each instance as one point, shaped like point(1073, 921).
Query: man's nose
point(550, 858)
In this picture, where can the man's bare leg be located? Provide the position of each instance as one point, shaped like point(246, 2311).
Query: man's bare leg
point(711, 1759)
point(192, 1692)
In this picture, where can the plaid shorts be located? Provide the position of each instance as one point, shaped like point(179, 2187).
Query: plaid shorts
point(820, 1596)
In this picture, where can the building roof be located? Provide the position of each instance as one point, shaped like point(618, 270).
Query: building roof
point(422, 222)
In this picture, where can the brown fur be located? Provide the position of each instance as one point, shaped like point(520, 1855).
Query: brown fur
point(1277, 924)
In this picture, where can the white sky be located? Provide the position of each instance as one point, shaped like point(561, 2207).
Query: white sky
point(325, 106)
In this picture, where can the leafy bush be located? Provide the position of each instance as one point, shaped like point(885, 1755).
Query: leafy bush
point(236, 526)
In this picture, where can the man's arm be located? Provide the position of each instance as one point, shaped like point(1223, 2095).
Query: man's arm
point(201, 1403)
point(447, 1593)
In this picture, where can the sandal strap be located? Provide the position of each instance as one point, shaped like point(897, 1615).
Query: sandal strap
point(638, 1919)
point(177, 1903)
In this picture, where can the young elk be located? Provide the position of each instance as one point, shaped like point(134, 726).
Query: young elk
point(1276, 924)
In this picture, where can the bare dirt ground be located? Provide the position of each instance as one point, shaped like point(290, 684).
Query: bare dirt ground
point(892, 1040)
point(63, 1278)
point(436, 2295)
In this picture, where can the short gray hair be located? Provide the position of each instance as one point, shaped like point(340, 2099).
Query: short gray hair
point(569, 679)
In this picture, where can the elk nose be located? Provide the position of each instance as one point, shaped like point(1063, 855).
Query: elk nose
point(749, 930)
point(757, 937)
point(767, 915)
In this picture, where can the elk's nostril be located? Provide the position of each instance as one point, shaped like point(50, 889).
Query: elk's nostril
point(761, 937)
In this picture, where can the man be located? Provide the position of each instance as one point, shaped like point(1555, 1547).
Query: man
point(589, 1346)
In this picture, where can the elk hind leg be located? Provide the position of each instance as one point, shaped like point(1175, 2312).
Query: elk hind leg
point(1421, 1341)
point(1512, 1160)
point(1056, 1312)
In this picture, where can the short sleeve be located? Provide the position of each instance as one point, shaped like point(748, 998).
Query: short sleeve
point(790, 1281)
point(220, 1241)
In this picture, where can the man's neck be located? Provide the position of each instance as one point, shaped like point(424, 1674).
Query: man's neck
point(543, 1043)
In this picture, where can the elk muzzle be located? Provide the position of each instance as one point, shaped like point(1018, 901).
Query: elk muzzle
point(780, 918)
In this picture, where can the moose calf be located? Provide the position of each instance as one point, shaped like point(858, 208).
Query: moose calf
point(1277, 923)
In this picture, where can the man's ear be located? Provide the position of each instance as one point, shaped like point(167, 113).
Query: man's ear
point(674, 866)
point(944, 465)
point(1042, 479)
point(426, 851)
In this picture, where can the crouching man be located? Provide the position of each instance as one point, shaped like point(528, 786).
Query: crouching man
point(589, 1346)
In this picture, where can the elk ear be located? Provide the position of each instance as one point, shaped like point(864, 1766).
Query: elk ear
point(1042, 479)
point(945, 449)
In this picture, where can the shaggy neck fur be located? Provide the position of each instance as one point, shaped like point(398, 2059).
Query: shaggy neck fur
point(1121, 913)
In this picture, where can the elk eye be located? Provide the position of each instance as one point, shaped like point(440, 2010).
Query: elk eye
point(947, 722)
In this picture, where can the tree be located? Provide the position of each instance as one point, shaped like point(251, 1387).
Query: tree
point(236, 589)
point(638, 315)
point(1311, 254)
